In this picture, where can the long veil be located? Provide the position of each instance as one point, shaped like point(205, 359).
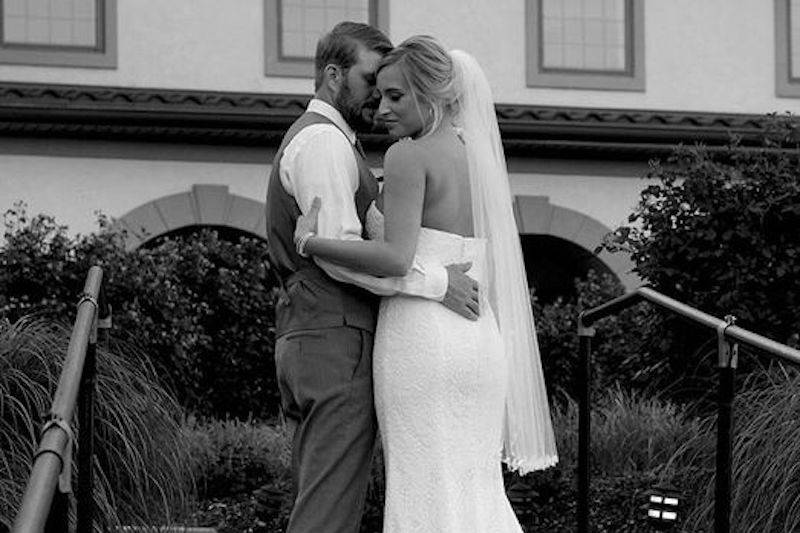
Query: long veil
point(528, 441)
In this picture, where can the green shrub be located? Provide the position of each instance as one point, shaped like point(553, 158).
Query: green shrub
point(619, 349)
point(718, 231)
point(242, 472)
point(143, 472)
point(237, 456)
point(243, 476)
point(632, 438)
point(199, 305)
point(616, 504)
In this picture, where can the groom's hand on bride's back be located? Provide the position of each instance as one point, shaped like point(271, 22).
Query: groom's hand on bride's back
point(462, 291)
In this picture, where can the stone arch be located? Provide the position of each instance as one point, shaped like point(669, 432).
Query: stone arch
point(203, 205)
point(536, 215)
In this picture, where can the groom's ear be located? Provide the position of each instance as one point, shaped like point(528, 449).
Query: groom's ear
point(332, 77)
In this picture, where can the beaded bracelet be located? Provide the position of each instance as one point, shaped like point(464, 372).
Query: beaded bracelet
point(300, 245)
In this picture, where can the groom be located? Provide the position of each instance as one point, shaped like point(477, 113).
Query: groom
point(326, 316)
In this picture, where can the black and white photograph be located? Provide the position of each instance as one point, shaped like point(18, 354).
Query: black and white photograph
point(379, 266)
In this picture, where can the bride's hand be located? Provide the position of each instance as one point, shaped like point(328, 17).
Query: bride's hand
point(307, 225)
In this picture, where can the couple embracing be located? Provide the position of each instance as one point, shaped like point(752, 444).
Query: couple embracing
point(404, 309)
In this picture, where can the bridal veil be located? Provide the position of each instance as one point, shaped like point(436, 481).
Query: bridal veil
point(528, 440)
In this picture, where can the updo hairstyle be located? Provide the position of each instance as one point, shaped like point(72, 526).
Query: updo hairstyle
point(428, 70)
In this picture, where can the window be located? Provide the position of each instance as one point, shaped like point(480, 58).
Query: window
point(787, 51)
point(292, 28)
point(63, 33)
point(586, 44)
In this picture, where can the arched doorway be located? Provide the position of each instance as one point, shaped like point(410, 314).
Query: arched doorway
point(552, 264)
point(203, 205)
point(210, 298)
point(558, 245)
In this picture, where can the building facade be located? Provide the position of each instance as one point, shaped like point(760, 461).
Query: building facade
point(166, 115)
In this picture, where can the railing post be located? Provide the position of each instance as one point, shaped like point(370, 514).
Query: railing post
point(728, 360)
point(85, 493)
point(585, 335)
point(728, 336)
point(84, 504)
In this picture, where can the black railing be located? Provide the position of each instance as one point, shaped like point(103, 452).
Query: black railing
point(45, 504)
point(728, 335)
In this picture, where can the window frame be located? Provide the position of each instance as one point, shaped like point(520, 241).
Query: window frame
point(633, 79)
point(277, 66)
point(785, 85)
point(102, 56)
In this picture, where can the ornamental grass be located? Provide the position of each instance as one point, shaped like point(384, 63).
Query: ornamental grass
point(142, 464)
point(765, 492)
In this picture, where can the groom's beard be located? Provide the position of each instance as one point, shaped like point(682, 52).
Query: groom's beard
point(359, 114)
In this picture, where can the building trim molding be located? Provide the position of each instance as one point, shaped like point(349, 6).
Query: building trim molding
point(256, 119)
point(203, 205)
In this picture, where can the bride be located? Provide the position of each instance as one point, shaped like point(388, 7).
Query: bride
point(454, 397)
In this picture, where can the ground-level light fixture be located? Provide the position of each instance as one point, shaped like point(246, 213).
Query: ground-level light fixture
point(663, 504)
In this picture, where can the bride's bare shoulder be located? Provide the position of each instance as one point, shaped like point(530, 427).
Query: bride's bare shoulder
point(405, 152)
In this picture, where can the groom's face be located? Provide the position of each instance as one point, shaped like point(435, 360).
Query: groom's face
point(357, 99)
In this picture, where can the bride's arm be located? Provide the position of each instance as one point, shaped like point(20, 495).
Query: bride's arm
point(404, 192)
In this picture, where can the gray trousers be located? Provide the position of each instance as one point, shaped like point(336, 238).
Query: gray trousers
point(325, 381)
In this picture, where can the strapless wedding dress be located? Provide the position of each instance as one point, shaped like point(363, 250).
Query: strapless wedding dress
point(440, 386)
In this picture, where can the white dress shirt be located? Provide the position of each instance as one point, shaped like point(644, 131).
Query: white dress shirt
point(319, 161)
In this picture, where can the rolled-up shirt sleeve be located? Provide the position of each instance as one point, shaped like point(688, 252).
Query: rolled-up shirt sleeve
point(320, 162)
point(426, 281)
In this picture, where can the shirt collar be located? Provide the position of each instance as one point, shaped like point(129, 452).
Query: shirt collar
point(331, 113)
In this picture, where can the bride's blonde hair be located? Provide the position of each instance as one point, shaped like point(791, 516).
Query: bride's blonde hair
point(428, 70)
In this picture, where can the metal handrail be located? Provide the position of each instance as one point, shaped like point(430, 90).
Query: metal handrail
point(728, 335)
point(587, 318)
point(42, 507)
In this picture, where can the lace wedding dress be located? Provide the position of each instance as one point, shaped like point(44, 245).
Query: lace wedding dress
point(440, 387)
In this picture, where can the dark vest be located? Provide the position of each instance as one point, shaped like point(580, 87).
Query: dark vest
point(311, 299)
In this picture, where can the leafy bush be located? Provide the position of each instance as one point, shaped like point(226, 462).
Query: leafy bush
point(632, 437)
point(199, 305)
point(619, 349)
point(718, 231)
point(244, 477)
point(243, 474)
point(616, 504)
point(143, 472)
point(236, 456)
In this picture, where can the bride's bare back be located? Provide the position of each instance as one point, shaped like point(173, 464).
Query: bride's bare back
point(447, 204)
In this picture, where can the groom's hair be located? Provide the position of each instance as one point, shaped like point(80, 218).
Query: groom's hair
point(340, 46)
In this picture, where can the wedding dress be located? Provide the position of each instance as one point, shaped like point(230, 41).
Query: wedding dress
point(456, 397)
point(440, 389)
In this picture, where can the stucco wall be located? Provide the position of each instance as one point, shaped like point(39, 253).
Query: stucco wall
point(607, 199)
point(180, 44)
point(73, 188)
point(714, 55)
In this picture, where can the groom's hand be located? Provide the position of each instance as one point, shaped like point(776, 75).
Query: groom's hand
point(462, 291)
